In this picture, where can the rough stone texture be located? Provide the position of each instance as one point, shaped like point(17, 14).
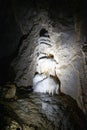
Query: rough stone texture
point(41, 112)
point(21, 24)
point(66, 38)
point(9, 91)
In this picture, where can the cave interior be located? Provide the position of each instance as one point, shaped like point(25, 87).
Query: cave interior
point(43, 65)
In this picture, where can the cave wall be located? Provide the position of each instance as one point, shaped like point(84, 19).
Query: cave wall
point(65, 24)
point(10, 34)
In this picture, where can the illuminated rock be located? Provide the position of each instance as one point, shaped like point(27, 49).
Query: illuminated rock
point(46, 66)
point(42, 112)
point(46, 84)
point(38, 77)
point(60, 41)
point(10, 92)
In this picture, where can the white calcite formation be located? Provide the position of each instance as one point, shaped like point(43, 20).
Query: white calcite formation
point(46, 80)
point(38, 77)
point(49, 84)
point(46, 66)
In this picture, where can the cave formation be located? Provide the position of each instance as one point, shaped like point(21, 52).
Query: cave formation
point(43, 43)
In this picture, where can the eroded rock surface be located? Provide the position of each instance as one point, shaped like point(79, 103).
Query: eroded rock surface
point(65, 47)
point(20, 28)
point(41, 112)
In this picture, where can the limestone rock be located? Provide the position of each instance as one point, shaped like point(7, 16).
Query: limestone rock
point(21, 25)
point(10, 92)
point(41, 112)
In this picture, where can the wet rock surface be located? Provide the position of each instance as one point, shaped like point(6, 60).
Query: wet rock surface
point(35, 111)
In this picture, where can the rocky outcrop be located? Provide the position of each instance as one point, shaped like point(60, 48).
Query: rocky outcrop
point(9, 91)
point(10, 35)
point(41, 112)
point(85, 66)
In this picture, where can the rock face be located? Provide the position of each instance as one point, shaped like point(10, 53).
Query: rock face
point(42, 112)
point(57, 31)
point(10, 92)
point(61, 47)
point(48, 37)
point(10, 34)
